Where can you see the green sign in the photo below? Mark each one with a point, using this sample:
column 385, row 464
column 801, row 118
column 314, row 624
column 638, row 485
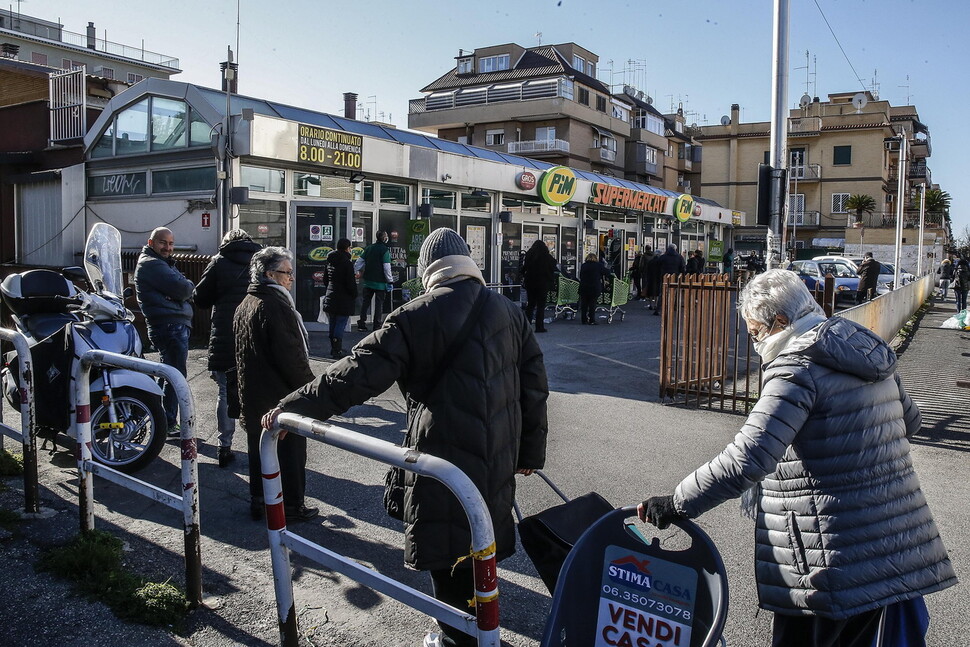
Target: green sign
column 716, row 251
column 418, row 230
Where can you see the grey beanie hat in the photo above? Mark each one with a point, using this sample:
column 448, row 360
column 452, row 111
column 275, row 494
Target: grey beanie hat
column 440, row 243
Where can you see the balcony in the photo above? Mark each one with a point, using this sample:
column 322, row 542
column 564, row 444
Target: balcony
column 539, row 146
column 641, row 167
column 804, row 126
column 805, row 173
column 887, row 220
column 603, row 155
column 803, row 219
column 487, row 95
column 97, row 44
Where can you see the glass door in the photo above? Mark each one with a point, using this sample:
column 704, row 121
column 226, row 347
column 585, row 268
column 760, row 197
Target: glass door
column 317, row 229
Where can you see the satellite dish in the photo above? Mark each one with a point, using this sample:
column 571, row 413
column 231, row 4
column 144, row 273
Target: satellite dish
column 804, row 101
column 649, row 100
column 630, row 90
column 693, row 124
column 859, row 101
column 725, row 121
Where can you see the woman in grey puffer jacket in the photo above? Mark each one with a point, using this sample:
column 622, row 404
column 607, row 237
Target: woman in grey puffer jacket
column 843, row 529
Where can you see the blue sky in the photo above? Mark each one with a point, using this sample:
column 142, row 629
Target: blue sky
column 706, row 54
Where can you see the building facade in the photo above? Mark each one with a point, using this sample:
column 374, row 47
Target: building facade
column 303, row 179
column 849, row 144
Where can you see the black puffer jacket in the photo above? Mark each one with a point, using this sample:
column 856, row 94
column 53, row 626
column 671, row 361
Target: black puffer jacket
column 341, row 285
column 270, row 352
column 222, row 288
column 487, row 415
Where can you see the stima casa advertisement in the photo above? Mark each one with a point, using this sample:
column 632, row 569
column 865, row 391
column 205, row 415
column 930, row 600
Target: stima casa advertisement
column 644, row 601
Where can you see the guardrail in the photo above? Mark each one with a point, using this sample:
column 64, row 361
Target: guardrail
column 28, row 429
column 188, row 501
column 281, row 540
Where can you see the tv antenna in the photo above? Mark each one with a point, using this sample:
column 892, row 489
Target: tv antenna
column 908, row 95
column 874, row 86
column 538, row 38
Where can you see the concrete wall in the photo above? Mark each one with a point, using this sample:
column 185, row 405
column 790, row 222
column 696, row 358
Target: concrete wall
column 886, row 315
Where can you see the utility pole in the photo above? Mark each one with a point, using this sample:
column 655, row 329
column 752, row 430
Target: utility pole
column 779, row 129
column 922, row 215
column 900, row 193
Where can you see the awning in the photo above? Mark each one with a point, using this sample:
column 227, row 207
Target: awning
column 603, row 133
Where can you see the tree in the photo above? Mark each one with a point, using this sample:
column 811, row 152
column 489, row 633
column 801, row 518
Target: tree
column 937, row 201
column 860, row 203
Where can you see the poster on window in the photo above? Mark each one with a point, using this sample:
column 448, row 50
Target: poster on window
column 552, row 242
column 528, row 238
column 475, row 237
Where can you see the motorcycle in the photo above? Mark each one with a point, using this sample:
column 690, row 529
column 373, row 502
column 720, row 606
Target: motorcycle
column 60, row 323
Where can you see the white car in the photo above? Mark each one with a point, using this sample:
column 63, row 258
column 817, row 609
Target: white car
column 887, row 271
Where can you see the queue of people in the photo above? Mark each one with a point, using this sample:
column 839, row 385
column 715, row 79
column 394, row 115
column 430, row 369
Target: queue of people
column 822, row 463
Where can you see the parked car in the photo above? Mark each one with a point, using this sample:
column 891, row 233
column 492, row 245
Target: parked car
column 887, row 271
column 812, row 273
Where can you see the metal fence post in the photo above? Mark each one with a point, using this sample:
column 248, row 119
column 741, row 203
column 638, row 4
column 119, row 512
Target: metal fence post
column 28, row 420
column 82, row 431
column 275, row 525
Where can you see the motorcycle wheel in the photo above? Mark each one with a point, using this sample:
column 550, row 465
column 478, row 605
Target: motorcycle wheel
column 140, row 439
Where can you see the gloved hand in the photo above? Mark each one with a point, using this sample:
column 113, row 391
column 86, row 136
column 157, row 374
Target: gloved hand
column 658, row 510
column 390, row 287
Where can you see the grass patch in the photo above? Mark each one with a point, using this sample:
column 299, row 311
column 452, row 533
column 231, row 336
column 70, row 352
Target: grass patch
column 92, row 562
column 9, row 519
column 11, row 464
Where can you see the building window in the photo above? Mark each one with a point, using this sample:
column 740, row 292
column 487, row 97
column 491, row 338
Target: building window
column 838, row 202
column 621, row 113
column 267, row 180
column 546, row 133
column 168, row 123
column 395, row 193
column 107, row 73
column 38, row 58
column 649, row 154
column 566, row 88
column 493, row 63
column 439, row 199
column 134, row 78
column 583, row 96
column 463, row 139
column 841, row 155
column 184, row 180
column 579, row 64
column 494, row 137
column 591, row 68
column 465, row 66
column 133, row 129
column 601, row 103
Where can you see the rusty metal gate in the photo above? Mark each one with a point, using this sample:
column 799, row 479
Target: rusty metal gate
column 706, row 357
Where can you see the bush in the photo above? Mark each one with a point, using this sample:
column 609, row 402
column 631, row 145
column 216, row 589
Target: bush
column 11, row 464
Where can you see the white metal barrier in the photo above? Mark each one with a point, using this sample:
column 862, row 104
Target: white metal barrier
column 28, row 429
column 888, row 313
column 188, row 501
column 483, row 625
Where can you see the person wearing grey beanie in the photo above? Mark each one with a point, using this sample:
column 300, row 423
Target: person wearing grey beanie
column 475, row 382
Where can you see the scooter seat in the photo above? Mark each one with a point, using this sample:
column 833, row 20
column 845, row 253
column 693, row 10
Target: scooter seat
column 43, row 325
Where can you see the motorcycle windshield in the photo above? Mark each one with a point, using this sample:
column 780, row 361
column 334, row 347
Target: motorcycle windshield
column 102, row 258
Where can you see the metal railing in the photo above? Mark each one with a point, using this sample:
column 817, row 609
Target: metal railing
column 483, row 625
column 28, row 428
column 187, row 502
column 805, row 172
column 539, row 146
column 804, row 218
column 118, row 49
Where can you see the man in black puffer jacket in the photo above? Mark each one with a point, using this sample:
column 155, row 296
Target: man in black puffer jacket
column 222, row 288
column 486, row 414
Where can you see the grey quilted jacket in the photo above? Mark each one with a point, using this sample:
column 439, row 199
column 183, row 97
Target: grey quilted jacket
column 842, row 525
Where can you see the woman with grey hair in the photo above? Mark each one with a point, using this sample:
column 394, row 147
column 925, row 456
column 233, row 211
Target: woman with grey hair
column 271, row 353
column 222, row 288
column 822, row 463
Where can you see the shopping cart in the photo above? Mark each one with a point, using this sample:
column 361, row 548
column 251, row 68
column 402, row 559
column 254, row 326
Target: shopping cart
column 616, row 295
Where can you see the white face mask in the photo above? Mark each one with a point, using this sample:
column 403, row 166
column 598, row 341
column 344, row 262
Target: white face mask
column 769, row 347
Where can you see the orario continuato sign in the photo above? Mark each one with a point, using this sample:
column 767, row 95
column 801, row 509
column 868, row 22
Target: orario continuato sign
column 328, row 147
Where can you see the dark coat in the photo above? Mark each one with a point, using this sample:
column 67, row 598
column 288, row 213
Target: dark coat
column 962, row 276
column 487, row 415
column 538, row 272
column 591, row 274
column 653, row 276
column 270, row 354
column 222, row 287
column 671, row 263
column 341, row 292
column 163, row 292
column 695, row 265
column 868, row 275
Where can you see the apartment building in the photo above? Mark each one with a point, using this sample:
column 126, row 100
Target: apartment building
column 849, row 144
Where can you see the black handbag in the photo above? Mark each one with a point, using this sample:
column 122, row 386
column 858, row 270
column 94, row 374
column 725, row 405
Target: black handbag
column 394, row 479
column 548, row 536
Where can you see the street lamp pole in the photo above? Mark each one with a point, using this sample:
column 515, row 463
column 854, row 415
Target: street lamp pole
column 779, row 127
column 900, row 192
column 922, row 215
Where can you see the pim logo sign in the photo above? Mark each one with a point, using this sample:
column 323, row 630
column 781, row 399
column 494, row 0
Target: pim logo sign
column 631, row 572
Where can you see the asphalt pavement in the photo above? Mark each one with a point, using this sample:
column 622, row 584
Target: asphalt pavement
column 608, row 434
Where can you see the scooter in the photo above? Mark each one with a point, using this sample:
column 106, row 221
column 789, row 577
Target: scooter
column 60, row 323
